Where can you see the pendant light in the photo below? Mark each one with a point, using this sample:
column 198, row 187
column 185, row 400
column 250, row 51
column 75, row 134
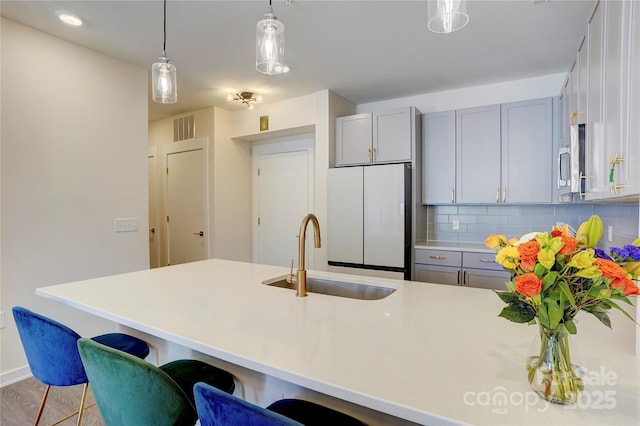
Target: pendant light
column 447, row 16
column 163, row 74
column 270, row 45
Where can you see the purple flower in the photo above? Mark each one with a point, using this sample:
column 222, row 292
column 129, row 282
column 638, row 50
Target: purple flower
column 601, row 254
column 634, row 252
column 621, row 253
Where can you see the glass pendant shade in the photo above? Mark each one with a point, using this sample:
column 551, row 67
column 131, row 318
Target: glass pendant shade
column 270, row 45
column 447, row 16
column 163, row 81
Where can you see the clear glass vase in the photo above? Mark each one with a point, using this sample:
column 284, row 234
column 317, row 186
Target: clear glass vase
column 551, row 373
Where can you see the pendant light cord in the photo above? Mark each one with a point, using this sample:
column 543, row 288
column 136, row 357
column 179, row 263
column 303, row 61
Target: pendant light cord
column 164, row 29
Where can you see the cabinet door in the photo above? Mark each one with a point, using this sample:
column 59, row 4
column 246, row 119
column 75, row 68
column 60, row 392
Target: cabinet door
column 353, row 139
column 384, row 215
column 583, row 82
column 478, row 155
column 437, row 274
column 345, row 214
column 633, row 140
column 596, row 156
column 392, row 139
column 439, row 157
column 527, row 151
column 485, row 278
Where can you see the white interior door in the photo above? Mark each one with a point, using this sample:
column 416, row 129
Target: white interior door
column 282, row 196
column 154, row 229
column 185, row 198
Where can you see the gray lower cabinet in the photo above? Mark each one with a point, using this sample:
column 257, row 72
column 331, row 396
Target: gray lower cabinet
column 468, row 269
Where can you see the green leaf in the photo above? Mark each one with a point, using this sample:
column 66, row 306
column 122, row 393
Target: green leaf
column 614, row 305
column 543, row 316
column 519, row 312
column 564, row 288
column 539, row 270
column 507, row 296
column 549, row 280
column 599, row 313
column 570, row 326
column 555, row 313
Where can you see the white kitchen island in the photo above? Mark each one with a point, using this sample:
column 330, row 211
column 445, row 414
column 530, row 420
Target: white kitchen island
column 428, row 353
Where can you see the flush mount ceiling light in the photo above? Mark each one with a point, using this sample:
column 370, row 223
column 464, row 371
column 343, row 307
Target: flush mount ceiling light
column 447, row 16
column 163, row 74
column 69, row 18
column 270, row 45
column 247, row 98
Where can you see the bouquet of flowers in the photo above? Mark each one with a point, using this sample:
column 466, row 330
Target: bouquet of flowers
column 555, row 275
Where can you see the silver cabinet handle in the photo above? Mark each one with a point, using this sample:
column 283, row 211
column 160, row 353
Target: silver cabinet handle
column 487, row 261
column 437, row 257
column 152, row 230
column 201, row 233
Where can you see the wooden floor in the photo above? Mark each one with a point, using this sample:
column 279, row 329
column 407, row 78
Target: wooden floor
column 19, row 404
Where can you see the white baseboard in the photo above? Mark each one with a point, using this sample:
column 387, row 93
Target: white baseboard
column 14, row 376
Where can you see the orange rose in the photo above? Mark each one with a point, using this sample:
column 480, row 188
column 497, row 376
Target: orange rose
column 610, row 269
column 629, row 287
column 569, row 246
column 527, row 263
column 528, row 284
column 529, row 249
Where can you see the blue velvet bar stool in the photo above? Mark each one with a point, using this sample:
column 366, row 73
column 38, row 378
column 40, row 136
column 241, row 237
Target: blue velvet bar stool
column 131, row 391
column 216, row 408
column 52, row 353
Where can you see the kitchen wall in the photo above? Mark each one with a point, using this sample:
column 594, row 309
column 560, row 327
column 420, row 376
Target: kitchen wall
column 74, row 148
column 229, row 182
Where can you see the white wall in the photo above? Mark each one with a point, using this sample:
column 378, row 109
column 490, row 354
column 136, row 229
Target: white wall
column 74, row 148
column 467, row 97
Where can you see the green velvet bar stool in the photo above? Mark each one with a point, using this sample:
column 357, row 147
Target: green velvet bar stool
column 131, row 391
column 52, row 354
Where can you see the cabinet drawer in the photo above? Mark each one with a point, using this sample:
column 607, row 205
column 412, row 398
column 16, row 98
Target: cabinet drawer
column 439, row 257
column 482, row 278
column 481, row 261
column 437, row 274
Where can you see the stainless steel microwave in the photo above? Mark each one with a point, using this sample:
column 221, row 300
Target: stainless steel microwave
column 571, row 163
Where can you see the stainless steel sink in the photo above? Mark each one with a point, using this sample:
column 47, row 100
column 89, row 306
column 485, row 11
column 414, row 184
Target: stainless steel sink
column 335, row 288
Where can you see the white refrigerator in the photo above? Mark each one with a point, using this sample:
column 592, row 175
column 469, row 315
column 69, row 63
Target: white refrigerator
column 369, row 217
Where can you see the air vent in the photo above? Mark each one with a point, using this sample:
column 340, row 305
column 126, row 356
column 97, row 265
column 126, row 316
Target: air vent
column 184, row 128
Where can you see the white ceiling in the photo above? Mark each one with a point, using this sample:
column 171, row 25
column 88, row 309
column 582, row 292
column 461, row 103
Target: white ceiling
column 362, row 50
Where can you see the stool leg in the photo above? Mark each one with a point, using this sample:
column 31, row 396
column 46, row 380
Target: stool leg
column 41, row 409
column 82, row 402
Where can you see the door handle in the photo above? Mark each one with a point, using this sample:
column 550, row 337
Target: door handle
column 201, row 233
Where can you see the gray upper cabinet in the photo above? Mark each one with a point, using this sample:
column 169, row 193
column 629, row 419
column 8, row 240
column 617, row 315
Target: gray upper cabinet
column 527, row 151
column 478, row 155
column 490, row 154
column 392, row 136
column 379, row 137
column 354, row 135
column 439, row 157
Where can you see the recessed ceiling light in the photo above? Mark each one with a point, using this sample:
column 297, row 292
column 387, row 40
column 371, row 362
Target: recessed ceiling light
column 69, row 18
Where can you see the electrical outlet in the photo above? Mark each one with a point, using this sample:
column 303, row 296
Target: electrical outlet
column 125, row 224
column 610, row 233
column 1, row 319
column 456, row 224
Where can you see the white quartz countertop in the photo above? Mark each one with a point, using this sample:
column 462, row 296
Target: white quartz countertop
column 453, row 246
column 432, row 354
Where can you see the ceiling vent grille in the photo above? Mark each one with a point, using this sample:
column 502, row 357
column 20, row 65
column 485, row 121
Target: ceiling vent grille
column 184, row 128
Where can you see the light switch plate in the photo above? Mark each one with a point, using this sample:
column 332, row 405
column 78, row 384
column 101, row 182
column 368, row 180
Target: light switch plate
column 125, row 224
column 2, row 320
